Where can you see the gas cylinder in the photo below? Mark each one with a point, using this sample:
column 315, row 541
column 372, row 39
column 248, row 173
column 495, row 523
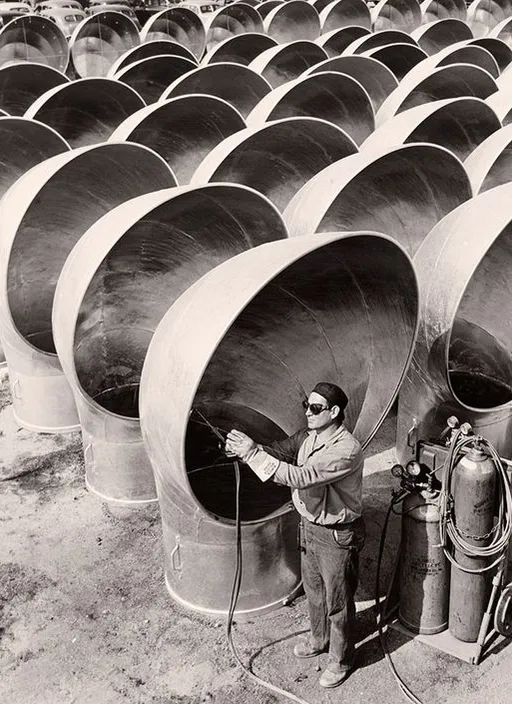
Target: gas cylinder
column 473, row 490
column 424, row 572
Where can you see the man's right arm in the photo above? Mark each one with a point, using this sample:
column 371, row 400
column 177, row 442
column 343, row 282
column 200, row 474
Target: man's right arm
column 287, row 450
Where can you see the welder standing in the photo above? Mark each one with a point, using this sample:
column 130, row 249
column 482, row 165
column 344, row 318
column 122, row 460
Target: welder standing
column 323, row 464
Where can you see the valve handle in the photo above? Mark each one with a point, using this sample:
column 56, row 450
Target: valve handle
column 503, row 612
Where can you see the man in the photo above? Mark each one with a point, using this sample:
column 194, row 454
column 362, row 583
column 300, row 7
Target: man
column 323, row 465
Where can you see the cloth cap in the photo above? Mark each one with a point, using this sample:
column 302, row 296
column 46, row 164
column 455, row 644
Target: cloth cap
column 334, row 395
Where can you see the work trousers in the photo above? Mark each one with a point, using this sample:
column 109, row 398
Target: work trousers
column 330, row 573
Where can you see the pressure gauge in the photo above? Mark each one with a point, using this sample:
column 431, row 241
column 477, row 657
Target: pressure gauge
column 413, row 468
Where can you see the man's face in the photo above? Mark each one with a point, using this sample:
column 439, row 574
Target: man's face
column 324, row 419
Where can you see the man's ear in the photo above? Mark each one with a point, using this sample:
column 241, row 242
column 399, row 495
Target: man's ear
column 335, row 411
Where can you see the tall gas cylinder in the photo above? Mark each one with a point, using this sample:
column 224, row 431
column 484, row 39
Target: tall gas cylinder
column 473, row 491
column 424, row 573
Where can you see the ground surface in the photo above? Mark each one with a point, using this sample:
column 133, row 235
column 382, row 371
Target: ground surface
column 85, row 617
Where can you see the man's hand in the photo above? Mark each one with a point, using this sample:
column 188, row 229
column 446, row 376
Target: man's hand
column 239, row 444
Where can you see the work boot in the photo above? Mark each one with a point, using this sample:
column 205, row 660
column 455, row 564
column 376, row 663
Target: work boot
column 308, row 649
column 333, row 675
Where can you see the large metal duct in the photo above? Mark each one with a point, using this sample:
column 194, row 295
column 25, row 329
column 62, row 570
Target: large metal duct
column 179, row 24
column 237, row 84
column 99, row 40
column 277, row 158
column 501, row 101
column 118, row 282
column 230, row 20
column 405, row 190
column 396, row 14
column 399, row 58
column 182, row 130
column 336, row 41
column 462, row 362
column 34, row 39
column 503, row 30
column 331, row 96
column 344, row 13
column 458, row 124
column 43, row 215
column 433, row 10
column 453, row 81
column 463, row 53
column 483, row 15
column 375, row 39
column 437, row 35
column 240, row 49
column 153, row 48
column 376, row 79
column 295, row 316
column 263, row 8
column 502, row 52
column 151, row 76
column 293, row 20
column 490, row 165
column 21, row 84
column 287, row 61
column 86, row 111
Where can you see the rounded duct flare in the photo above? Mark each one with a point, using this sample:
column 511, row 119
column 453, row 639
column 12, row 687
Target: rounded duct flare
column 277, row 158
column 399, row 58
column 501, row 101
column 376, row 79
column 295, row 316
column 178, row 24
column 22, row 84
column 118, row 282
column 437, row 35
column 404, row 15
column 489, row 165
column 182, row 130
column 287, row 61
column 331, row 96
column 229, row 21
column 336, row 41
column 502, row 52
column 151, row 76
column 344, row 13
column 240, row 49
column 33, row 39
column 43, row 215
column 483, row 15
column 381, row 38
column 462, row 362
column 406, row 190
column 86, row 111
column 503, row 30
column 467, row 54
column 291, row 21
column 452, row 81
column 99, row 40
column 145, row 51
column 236, row 84
column 433, row 10
column 457, row 124
column 263, row 8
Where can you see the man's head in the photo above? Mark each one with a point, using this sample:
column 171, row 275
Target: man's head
column 325, row 406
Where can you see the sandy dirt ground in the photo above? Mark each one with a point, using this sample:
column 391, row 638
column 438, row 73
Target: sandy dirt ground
column 85, row 617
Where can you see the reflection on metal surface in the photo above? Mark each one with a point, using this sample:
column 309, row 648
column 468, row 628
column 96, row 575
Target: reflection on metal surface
column 330, row 96
column 99, row 40
column 344, row 13
column 182, row 130
column 21, row 84
column 458, row 124
column 151, row 76
column 229, row 21
column 501, row 100
column 234, row 83
column 118, row 282
column 491, row 162
column 284, row 155
column 434, row 36
column 483, row 15
column 264, row 8
column 153, row 48
column 336, row 41
column 462, row 363
column 443, row 9
column 503, row 30
column 293, row 20
column 43, row 215
column 179, row 24
column 287, row 61
column 34, row 39
column 381, row 38
column 240, row 49
column 399, row 58
column 502, row 52
column 301, row 308
column 463, row 53
column 405, row 191
column 397, row 14
column 86, row 111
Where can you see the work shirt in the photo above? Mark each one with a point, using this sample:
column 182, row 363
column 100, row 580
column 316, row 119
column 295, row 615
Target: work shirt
column 326, row 477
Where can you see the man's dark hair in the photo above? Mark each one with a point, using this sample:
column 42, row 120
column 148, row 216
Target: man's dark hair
column 334, row 395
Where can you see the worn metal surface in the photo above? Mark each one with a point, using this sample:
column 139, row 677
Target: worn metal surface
column 21, row 84
column 182, row 130
column 34, row 39
column 284, row 155
column 462, row 362
column 399, row 58
column 178, row 24
column 405, row 190
column 293, row 20
column 86, row 111
column 150, row 48
column 263, row 8
column 424, row 85
column 287, row 61
column 240, row 49
column 458, row 124
column 43, row 215
column 463, row 53
column 229, row 21
column 99, row 40
column 483, row 15
column 380, row 38
column 118, row 282
column 437, row 35
column 491, row 163
column 344, row 13
column 330, row 96
column 502, row 52
column 443, row 9
column 503, row 30
column 236, row 84
column 151, row 76
column 337, row 40
column 298, row 312
column 398, row 14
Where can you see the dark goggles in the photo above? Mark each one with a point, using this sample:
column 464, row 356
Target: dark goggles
column 315, row 408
